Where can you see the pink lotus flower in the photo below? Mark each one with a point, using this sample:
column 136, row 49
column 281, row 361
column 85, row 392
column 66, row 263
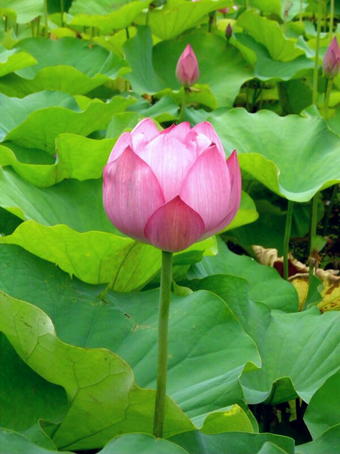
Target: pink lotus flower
column 171, row 188
column 331, row 61
column 187, row 71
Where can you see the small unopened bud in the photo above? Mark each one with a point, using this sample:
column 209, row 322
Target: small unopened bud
column 224, row 10
column 228, row 31
column 187, row 71
column 331, row 61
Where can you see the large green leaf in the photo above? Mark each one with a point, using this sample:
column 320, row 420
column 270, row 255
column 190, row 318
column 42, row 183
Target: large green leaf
column 138, row 51
column 78, row 157
column 15, row 443
column 323, row 411
column 25, row 10
column 294, row 156
column 89, row 377
column 67, row 64
column 269, row 33
column 327, row 443
column 143, row 444
column 36, row 120
column 13, row 60
column 176, row 16
column 77, row 204
column 233, row 443
column 260, row 279
column 265, row 66
column 106, row 15
column 24, row 396
column 300, row 348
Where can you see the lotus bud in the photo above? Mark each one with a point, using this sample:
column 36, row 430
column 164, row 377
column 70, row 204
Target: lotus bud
column 171, row 188
column 187, row 71
column 228, row 31
column 331, row 61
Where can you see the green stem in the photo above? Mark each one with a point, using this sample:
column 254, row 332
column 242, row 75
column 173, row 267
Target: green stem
column 183, row 104
column 288, row 228
column 331, row 18
column 329, row 208
column 311, row 260
column 127, row 32
column 211, row 20
column 62, row 12
column 316, row 62
column 327, row 96
column 162, row 364
column 301, row 11
column 46, row 17
column 314, row 222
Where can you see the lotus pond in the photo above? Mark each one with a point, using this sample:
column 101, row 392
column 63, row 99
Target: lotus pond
column 253, row 360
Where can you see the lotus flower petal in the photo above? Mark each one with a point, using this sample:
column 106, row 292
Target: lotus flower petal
column 145, row 131
column 131, row 193
column 207, row 130
column 235, row 194
column 187, row 71
column 179, row 131
column 235, row 183
column 123, row 142
column 170, row 160
column 206, row 188
column 331, row 61
column 174, row 226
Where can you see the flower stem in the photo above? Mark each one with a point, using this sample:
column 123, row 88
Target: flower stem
column 62, row 13
column 314, row 222
column 46, row 17
column 312, row 262
column 183, row 104
column 316, row 63
column 288, row 228
column 162, row 362
column 331, row 18
column 211, row 21
column 327, row 96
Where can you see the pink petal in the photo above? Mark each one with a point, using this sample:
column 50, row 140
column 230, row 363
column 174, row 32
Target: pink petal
column 187, row 71
column 131, row 193
column 235, row 193
column 199, row 141
column 121, row 145
column 179, row 131
column 235, row 181
column 174, row 226
column 206, row 188
column 170, row 160
column 143, row 132
column 207, row 130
